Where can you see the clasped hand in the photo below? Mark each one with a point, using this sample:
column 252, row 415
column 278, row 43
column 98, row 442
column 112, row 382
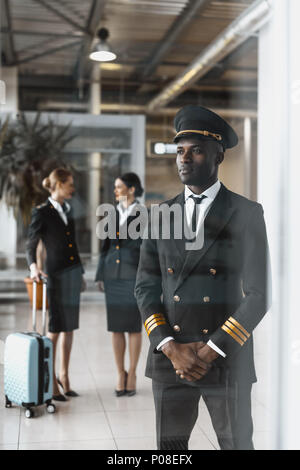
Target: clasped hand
column 191, row 361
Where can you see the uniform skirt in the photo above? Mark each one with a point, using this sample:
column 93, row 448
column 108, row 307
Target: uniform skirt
column 64, row 299
column 122, row 311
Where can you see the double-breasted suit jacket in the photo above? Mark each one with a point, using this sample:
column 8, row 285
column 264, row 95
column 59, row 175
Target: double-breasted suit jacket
column 63, row 265
column 216, row 293
column 117, row 267
column 119, row 257
column 58, row 238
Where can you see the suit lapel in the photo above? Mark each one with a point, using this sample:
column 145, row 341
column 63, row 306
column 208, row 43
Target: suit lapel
column 57, row 216
column 216, row 219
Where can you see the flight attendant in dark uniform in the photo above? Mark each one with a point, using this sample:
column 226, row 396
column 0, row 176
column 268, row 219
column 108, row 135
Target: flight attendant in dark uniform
column 53, row 223
column 116, row 275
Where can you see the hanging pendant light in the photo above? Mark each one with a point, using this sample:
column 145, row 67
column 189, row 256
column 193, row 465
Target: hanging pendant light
column 102, row 51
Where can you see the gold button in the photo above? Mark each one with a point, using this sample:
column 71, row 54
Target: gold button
column 170, row 271
column 68, row 233
column 70, row 245
column 72, row 258
column 206, row 299
column 118, row 261
column 176, row 328
column 118, row 233
column 117, row 247
column 176, row 298
column 205, row 331
column 213, row 271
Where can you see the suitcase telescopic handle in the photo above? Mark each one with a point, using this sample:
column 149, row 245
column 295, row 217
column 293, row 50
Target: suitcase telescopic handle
column 44, row 308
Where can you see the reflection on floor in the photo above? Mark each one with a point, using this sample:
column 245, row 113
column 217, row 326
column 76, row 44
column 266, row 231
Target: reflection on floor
column 97, row 419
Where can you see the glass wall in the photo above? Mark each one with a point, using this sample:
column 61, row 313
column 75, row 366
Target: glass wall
column 103, row 148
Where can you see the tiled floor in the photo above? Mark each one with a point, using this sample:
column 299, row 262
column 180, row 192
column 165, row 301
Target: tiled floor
column 97, row 419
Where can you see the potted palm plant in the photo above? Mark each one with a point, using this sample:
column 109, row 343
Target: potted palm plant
column 29, row 151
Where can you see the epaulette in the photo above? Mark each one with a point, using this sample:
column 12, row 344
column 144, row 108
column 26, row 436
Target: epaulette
column 41, row 205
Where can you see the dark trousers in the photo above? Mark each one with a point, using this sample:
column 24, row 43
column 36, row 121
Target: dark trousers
column 229, row 407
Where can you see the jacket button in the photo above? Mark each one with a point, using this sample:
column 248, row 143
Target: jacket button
column 213, row 271
column 176, row 298
column 205, row 331
column 117, row 247
column 118, row 261
column 176, row 328
column 170, row 271
column 70, row 245
column 68, row 233
column 72, row 258
column 206, row 299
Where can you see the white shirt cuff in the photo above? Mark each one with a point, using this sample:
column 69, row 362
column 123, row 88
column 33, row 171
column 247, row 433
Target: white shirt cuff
column 215, row 348
column 210, row 344
column 164, row 341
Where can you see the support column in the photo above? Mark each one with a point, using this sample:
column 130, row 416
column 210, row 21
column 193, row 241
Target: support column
column 95, row 163
column 8, row 224
column 278, row 190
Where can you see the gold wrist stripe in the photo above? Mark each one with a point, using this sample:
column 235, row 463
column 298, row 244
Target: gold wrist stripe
column 153, row 321
column 236, row 331
column 234, row 336
column 236, row 323
column 206, row 133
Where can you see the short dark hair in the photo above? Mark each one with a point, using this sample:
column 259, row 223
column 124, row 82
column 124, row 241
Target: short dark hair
column 132, row 180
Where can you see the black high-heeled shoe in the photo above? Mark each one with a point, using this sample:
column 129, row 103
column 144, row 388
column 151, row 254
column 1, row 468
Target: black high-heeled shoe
column 70, row 393
column 131, row 393
column 121, row 393
column 59, row 398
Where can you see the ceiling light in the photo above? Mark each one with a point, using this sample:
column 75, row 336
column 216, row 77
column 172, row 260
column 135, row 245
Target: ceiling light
column 102, row 51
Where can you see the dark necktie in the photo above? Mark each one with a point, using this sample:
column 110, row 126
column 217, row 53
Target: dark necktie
column 64, row 207
column 197, row 200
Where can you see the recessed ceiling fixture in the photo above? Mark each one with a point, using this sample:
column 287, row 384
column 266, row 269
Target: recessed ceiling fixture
column 102, row 51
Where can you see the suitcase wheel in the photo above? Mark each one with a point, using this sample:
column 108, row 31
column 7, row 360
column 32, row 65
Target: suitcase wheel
column 51, row 408
column 29, row 413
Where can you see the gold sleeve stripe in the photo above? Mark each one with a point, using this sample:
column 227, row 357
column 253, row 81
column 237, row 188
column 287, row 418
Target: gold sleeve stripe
column 153, row 322
column 234, row 336
column 154, row 326
column 236, row 330
column 154, row 316
column 236, row 323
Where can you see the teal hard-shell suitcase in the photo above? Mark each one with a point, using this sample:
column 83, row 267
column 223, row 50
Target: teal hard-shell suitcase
column 28, row 366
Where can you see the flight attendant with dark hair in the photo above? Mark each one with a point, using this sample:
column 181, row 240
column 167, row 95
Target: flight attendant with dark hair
column 53, row 223
column 116, row 275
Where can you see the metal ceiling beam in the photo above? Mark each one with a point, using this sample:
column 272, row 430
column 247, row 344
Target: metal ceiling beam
column 193, row 7
column 47, row 52
column 247, row 24
column 9, row 48
column 18, row 32
column 83, row 63
column 62, row 16
column 139, row 109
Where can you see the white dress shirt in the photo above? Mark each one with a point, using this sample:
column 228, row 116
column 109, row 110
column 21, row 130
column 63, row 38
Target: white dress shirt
column 124, row 212
column 60, row 210
column 202, row 209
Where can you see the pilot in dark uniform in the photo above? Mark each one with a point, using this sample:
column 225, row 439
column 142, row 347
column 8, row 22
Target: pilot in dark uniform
column 201, row 303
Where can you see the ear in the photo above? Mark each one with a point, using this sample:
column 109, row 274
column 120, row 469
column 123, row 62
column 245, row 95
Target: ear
column 220, row 158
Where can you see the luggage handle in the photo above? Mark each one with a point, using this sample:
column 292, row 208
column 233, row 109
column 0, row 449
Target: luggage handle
column 44, row 309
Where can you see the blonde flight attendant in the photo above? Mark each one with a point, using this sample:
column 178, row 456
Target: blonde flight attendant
column 53, row 223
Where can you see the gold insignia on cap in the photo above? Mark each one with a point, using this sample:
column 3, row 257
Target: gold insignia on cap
column 205, row 133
